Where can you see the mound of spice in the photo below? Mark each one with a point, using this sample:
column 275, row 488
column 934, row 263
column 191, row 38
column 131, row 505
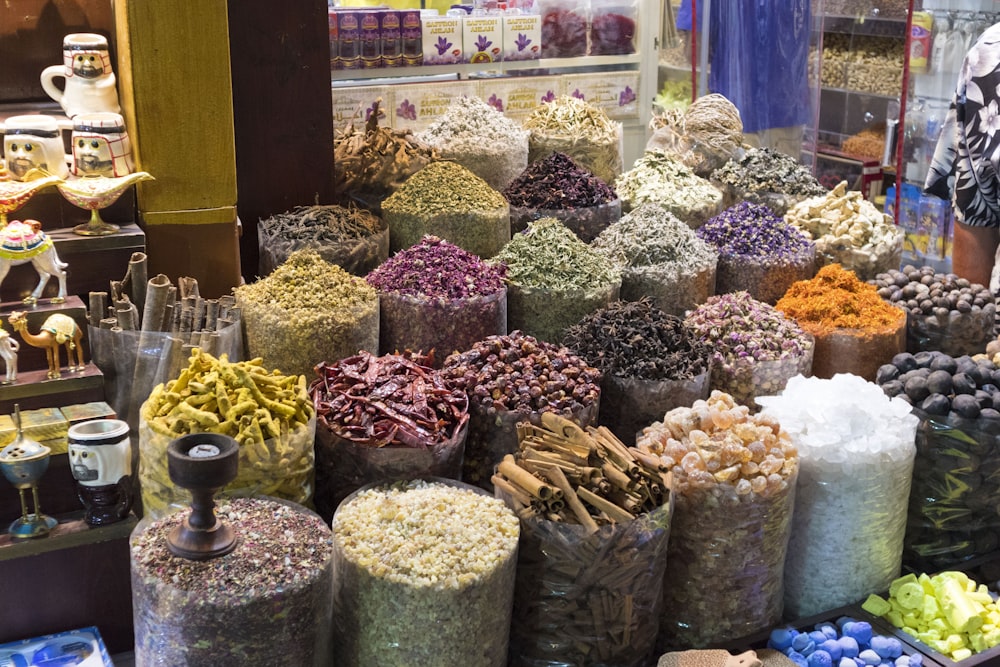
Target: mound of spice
column 661, row 178
column 661, row 258
column 556, row 187
column 734, row 480
column 306, row 312
column 421, row 554
column 447, row 200
column 516, row 378
column 395, row 403
column 945, row 312
column 434, row 296
column 849, row 230
column 769, row 177
column 759, row 252
column 270, row 598
column 580, row 130
column 756, row 348
column 352, row 238
column 554, row 279
column 481, row 139
column 600, row 535
column 649, row 360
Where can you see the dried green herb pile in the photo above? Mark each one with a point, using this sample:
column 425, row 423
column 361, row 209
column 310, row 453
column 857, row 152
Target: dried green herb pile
column 661, row 178
column 768, row 170
column 481, row 139
column 580, row 130
column 306, row 312
column 549, row 256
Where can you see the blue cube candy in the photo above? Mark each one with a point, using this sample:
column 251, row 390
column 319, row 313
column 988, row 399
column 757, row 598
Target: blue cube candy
column 902, row 661
column 797, row 658
column 916, row 660
column 832, row 646
column 803, row 644
column 849, row 646
column 828, row 629
column 870, row 657
column 781, row 638
column 880, row 644
column 895, row 648
column 842, row 620
column 861, row 631
column 847, row 662
column 820, row 658
column 817, row 637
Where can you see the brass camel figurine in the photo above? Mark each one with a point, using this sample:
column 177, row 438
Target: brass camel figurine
column 58, row 329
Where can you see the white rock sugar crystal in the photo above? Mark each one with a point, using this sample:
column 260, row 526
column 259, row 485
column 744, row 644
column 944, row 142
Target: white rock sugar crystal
column 856, row 451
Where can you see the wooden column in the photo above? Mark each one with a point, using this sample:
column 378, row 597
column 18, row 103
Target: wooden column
column 175, row 87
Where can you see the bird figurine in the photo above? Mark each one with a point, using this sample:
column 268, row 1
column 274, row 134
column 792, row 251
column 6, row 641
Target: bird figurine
column 93, row 193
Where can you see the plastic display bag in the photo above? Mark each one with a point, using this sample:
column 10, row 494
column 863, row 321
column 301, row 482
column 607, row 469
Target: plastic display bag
column 746, row 378
column 547, row 313
column 613, row 27
column 856, row 351
column 281, row 467
column 423, row 324
column 564, row 28
column 765, row 278
column 955, row 333
column 589, row 600
column 586, row 222
column 672, row 291
column 630, row 404
column 955, row 492
column 482, row 232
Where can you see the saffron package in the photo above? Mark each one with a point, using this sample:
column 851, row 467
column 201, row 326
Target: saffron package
column 613, row 27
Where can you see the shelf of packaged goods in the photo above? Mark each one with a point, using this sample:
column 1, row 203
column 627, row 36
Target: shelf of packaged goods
column 871, row 26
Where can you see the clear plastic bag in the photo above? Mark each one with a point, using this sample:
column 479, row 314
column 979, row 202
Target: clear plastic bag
column 746, row 378
column 856, row 351
column 280, row 467
column 423, row 324
column 955, row 334
column 628, row 405
column 586, row 222
column 589, row 600
column 564, row 28
column 613, row 27
column 547, row 313
column 765, row 278
column 482, row 233
column 672, row 291
column 344, row 466
column 357, row 256
column 955, row 492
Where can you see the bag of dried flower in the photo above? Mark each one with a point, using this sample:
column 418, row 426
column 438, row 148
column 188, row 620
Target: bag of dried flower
column 308, row 311
column 662, row 179
column 759, row 252
column 447, row 200
column 661, row 258
column 435, row 298
column 767, row 177
column 556, row 187
column 571, row 126
column 384, row 419
column 554, row 279
column 352, row 238
column 756, row 348
column 649, row 361
column 269, row 414
column 734, row 484
column 512, row 379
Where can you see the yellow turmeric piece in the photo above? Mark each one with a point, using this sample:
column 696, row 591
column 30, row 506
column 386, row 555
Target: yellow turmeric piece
column 837, row 299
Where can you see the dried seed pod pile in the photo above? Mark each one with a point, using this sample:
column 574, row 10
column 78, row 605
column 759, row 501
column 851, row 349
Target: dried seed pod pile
column 661, row 257
column 376, row 160
column 661, row 178
column 734, row 488
column 756, row 348
column 595, row 522
column 769, row 177
column 849, row 230
column 269, row 414
column 306, row 312
column 350, row 237
column 481, row 139
column 517, row 378
column 945, row 312
column 425, row 576
column 581, row 131
column 394, row 402
column 447, row 200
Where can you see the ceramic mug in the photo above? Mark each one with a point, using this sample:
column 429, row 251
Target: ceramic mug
column 100, row 145
column 100, row 456
column 90, row 83
column 33, row 142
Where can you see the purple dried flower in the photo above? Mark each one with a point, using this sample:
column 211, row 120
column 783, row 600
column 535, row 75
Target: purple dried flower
column 558, row 183
column 627, row 96
column 435, row 268
column 406, row 110
column 442, row 45
column 753, row 230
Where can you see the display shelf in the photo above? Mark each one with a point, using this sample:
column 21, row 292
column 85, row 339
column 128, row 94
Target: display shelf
column 405, row 74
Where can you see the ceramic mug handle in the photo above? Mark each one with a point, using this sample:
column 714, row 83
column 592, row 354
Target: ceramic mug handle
column 48, row 84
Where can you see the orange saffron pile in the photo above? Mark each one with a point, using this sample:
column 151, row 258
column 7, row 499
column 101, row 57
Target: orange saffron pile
column 836, row 298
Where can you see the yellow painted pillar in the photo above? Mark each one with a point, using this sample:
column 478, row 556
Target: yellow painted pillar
column 176, row 93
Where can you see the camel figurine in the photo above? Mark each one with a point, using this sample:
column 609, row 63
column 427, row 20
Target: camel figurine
column 23, row 242
column 8, row 352
column 58, row 329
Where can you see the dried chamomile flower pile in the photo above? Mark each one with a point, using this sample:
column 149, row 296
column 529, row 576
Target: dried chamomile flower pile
column 481, row 139
column 734, row 484
column 661, row 178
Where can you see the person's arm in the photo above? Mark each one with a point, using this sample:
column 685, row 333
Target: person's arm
column 972, row 252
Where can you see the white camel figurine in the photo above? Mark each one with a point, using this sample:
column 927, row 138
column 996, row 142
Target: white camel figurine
column 8, row 352
column 23, row 242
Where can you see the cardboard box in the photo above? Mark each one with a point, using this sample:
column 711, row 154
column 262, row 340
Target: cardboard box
column 441, row 40
column 411, row 32
column 518, row 96
column 391, row 34
column 81, row 412
column 349, row 38
column 482, row 39
column 614, row 93
column 370, row 38
column 355, row 103
column 522, row 37
column 83, row 648
column 416, row 106
column 45, row 425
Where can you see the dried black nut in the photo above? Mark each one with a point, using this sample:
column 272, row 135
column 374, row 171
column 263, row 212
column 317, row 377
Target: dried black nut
column 990, row 388
column 939, row 382
column 996, row 401
column 893, row 388
column 965, row 405
column 924, row 358
column 886, row 373
column 904, row 361
column 916, row 388
column 963, row 383
column 984, row 399
column 904, row 397
column 943, row 362
column 936, row 404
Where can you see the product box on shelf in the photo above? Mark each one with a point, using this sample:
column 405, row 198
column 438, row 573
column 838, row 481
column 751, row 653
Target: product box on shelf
column 416, row 106
column 615, row 94
column 334, row 40
column 442, row 39
column 83, row 648
column 355, row 104
column 47, row 426
column 522, row 37
column 516, row 97
column 482, row 39
column 370, row 37
column 926, row 221
column 391, row 36
column 348, row 38
column 411, row 33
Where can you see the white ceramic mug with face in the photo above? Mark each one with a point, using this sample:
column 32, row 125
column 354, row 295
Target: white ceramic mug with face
column 100, row 145
column 33, row 141
column 89, row 82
